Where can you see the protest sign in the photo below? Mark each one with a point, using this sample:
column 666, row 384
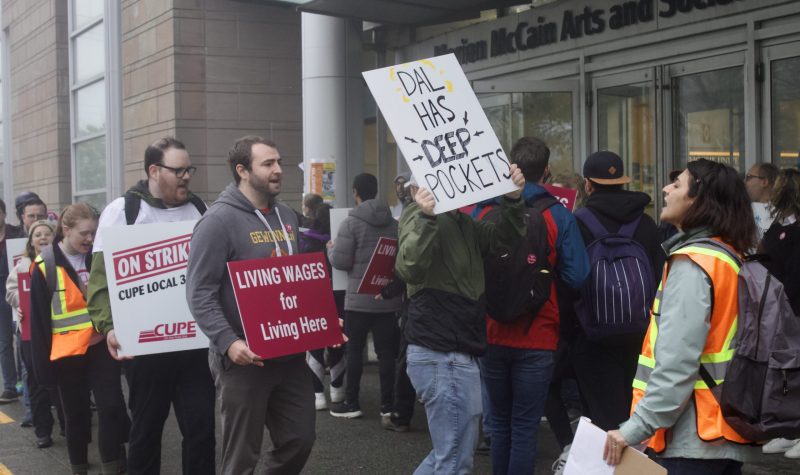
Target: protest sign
column 146, row 272
column 14, row 250
column 338, row 215
column 286, row 304
column 442, row 131
column 380, row 270
column 567, row 196
column 24, row 289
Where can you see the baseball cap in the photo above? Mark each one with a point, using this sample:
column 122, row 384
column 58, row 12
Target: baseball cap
column 605, row 168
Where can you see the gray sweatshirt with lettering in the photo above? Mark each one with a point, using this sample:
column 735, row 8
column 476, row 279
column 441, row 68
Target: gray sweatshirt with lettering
column 231, row 231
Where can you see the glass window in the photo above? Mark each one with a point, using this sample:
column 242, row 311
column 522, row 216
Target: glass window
column 90, row 164
column 89, row 54
column 90, row 109
column 709, row 117
column 785, row 112
column 625, row 127
column 85, row 12
column 96, row 200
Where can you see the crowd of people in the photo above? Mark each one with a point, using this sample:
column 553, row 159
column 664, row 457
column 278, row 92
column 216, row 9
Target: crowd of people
column 500, row 315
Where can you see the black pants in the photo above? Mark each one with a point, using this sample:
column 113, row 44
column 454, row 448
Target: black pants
column 180, row 379
column 555, row 408
column 316, row 358
column 385, row 334
column 40, row 397
column 605, row 373
column 405, row 396
column 97, row 372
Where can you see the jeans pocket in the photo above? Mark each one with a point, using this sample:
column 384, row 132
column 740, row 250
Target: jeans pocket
column 423, row 375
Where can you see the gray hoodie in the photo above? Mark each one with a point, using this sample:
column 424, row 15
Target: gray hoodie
column 353, row 247
column 230, row 231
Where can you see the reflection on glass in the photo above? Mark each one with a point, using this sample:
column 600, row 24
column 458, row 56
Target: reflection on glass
column 90, row 164
column 785, row 112
column 625, row 126
column 544, row 115
column 709, row 117
column 90, row 105
column 89, row 54
column 96, row 200
column 86, row 11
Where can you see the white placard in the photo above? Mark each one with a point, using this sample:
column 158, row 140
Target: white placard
column 146, row 272
column 339, row 277
column 14, row 250
column 442, row 131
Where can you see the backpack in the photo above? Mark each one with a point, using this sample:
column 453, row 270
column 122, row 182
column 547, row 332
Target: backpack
column 133, row 203
column 760, row 397
column 518, row 283
column 618, row 294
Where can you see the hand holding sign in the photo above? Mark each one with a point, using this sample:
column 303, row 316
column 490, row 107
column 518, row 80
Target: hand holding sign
column 425, row 200
column 518, row 179
column 240, row 354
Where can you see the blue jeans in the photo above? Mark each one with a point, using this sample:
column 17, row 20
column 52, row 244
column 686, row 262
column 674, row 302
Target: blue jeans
column 517, row 381
column 450, row 387
column 8, row 364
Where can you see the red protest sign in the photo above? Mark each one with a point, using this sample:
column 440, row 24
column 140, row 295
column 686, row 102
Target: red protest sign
column 380, row 270
column 286, row 304
column 567, row 196
column 24, row 288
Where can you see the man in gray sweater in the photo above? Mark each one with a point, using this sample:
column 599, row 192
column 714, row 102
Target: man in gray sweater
column 246, row 222
column 351, row 251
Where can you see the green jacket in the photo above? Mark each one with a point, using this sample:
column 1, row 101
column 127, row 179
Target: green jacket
column 446, row 251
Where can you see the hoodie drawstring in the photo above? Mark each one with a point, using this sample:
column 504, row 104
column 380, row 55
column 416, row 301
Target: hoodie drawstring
column 278, row 249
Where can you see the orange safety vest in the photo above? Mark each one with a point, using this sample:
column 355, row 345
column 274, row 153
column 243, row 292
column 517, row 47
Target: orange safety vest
column 72, row 327
column 718, row 350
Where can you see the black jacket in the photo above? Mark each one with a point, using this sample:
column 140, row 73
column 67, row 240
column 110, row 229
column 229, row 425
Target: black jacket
column 781, row 244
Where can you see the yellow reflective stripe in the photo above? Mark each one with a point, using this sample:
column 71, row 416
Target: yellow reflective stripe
column 639, row 384
column 62, row 316
column 647, row 361
column 728, row 352
column 724, row 257
column 80, row 326
column 700, row 384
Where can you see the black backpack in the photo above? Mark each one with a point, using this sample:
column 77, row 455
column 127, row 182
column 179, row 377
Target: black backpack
column 133, row 202
column 518, row 283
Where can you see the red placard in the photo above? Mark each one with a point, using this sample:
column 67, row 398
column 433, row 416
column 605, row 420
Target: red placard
column 380, row 270
column 286, row 304
column 24, row 289
column 567, row 196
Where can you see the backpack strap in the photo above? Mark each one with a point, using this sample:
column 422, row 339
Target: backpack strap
column 628, row 229
column 588, row 218
column 49, row 259
column 544, row 203
column 484, row 211
column 721, row 246
column 133, row 203
column 199, row 204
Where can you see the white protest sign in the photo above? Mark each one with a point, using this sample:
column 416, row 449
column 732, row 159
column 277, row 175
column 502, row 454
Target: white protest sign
column 442, row 131
column 339, row 277
column 146, row 272
column 14, row 250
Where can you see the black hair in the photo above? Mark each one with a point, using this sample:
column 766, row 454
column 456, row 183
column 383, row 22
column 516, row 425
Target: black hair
column 154, row 153
column 786, row 195
column 366, row 186
column 531, row 156
column 768, row 171
column 242, row 153
column 33, row 201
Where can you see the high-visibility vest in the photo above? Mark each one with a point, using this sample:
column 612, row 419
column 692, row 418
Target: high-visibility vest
column 718, row 350
column 71, row 325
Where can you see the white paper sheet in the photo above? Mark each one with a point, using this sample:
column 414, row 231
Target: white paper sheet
column 339, row 276
column 586, row 453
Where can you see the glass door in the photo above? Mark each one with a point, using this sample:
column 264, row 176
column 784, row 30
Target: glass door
column 624, row 123
column 781, row 117
column 547, row 110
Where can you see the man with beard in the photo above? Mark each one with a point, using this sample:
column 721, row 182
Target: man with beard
column 181, row 378
column 247, row 222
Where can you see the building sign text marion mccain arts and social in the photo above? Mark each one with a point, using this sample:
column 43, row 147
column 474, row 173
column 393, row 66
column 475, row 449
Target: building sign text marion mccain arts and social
column 589, row 21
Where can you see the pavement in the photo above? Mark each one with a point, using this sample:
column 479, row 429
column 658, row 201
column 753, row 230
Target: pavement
column 358, row 446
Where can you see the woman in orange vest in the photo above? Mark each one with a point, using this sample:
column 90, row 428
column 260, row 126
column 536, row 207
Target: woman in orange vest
column 67, row 352
column 692, row 329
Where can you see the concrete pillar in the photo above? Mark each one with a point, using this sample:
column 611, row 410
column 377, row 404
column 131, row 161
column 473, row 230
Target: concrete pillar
column 333, row 125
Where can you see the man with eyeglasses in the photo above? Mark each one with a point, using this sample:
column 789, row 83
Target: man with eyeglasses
column 759, row 182
column 182, row 378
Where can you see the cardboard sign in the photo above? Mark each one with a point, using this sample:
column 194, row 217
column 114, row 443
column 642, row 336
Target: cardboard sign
column 24, row 289
column 15, row 248
column 146, row 271
column 339, row 277
column 567, row 196
column 442, row 131
column 286, row 304
column 380, row 270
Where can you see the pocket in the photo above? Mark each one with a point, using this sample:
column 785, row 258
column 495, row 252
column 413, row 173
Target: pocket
column 423, row 372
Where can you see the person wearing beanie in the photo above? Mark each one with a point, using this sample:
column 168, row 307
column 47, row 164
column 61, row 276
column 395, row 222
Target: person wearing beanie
column 8, row 364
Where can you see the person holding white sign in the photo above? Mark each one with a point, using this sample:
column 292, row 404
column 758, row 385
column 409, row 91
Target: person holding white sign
column 440, row 257
column 247, row 222
column 180, row 379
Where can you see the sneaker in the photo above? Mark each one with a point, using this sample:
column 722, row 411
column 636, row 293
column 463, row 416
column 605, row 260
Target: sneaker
column 778, row 446
column 347, row 411
column 27, row 422
column 44, row 442
column 8, row 396
column 794, row 452
column 320, row 402
column 558, row 465
column 337, row 394
column 388, row 424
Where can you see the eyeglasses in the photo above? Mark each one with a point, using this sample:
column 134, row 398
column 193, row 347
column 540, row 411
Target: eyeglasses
column 187, row 172
column 748, row 177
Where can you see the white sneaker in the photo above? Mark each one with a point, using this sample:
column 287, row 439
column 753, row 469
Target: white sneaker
column 778, row 446
column 794, row 452
column 320, row 402
column 337, row 394
column 558, row 465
